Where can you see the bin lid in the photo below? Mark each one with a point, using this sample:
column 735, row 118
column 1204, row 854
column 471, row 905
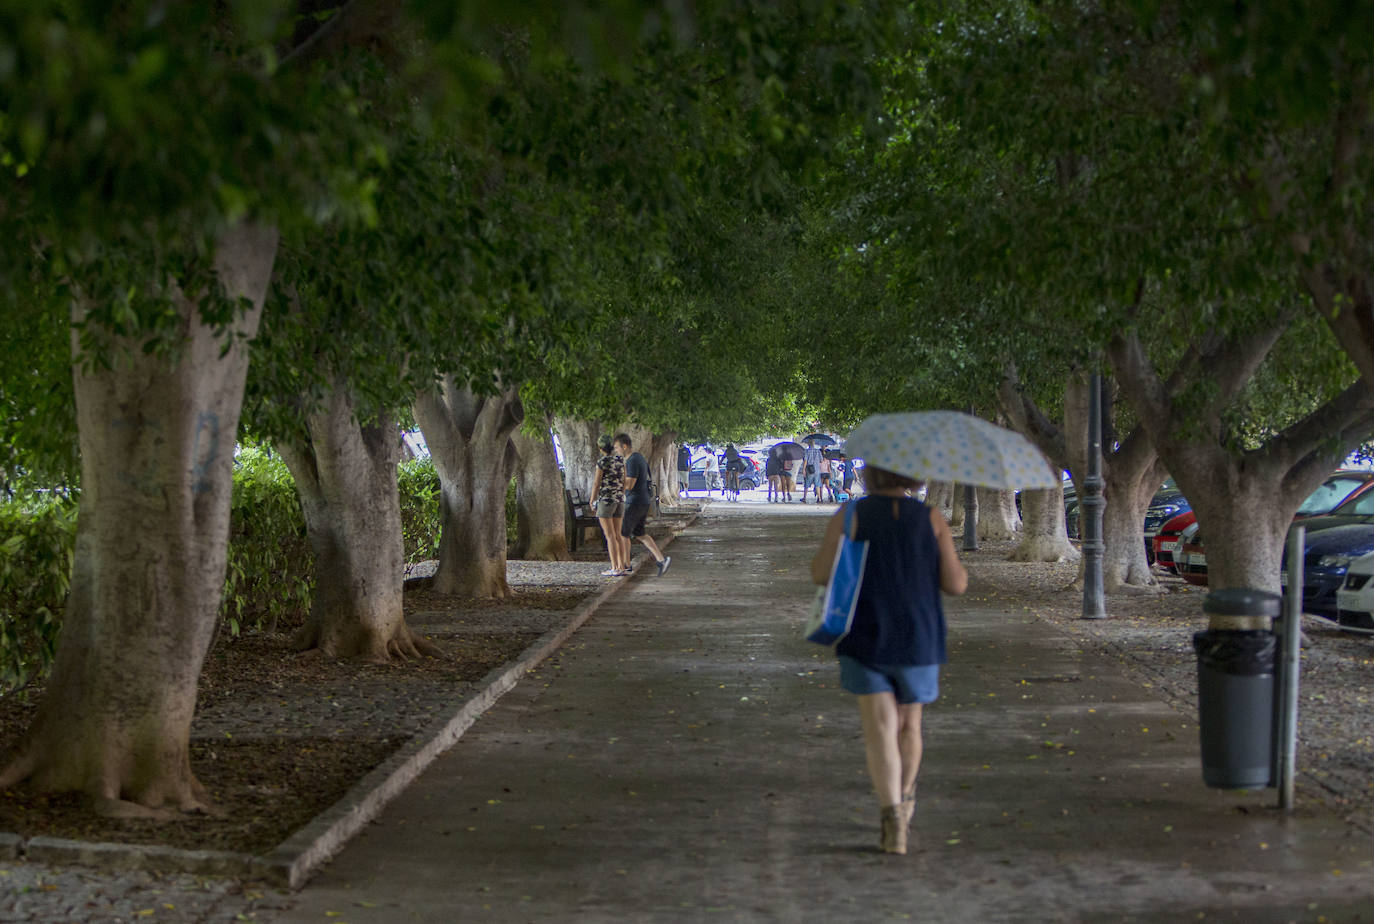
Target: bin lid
column 1242, row 601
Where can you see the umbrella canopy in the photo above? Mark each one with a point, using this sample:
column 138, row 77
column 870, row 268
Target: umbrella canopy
column 820, row 439
column 787, row 451
column 834, row 453
column 950, row 446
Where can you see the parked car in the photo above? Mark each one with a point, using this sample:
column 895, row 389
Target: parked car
column 1167, row 503
column 1355, row 597
column 1190, row 560
column 1327, row 556
column 1166, row 541
column 748, row 479
column 1343, row 498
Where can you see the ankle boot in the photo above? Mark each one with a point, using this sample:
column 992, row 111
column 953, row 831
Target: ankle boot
column 894, row 830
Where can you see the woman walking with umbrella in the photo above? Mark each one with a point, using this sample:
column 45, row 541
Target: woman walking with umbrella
column 892, row 654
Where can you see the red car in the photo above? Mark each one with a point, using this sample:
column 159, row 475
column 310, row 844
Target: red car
column 1337, row 489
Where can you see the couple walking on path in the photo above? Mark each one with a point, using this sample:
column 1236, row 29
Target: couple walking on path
column 624, row 496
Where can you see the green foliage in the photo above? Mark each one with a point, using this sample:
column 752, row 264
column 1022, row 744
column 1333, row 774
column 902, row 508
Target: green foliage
column 270, row 560
column 37, row 542
column 420, row 522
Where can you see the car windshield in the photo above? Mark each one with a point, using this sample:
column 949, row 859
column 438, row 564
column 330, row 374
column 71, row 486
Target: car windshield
column 1360, row 506
column 1328, row 494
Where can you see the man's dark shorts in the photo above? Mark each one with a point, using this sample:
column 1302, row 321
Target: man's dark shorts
column 633, row 524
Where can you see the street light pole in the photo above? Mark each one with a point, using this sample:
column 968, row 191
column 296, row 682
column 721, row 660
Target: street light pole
column 1094, row 606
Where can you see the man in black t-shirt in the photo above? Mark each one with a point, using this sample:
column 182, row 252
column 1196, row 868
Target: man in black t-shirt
column 639, row 497
column 684, row 468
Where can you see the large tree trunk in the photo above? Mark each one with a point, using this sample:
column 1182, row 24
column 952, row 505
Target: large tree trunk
column 1044, row 537
column 956, row 515
column 156, row 430
column 541, row 516
column 345, row 474
column 469, row 438
column 577, row 439
column 940, row 495
column 1244, row 501
column 1131, row 474
column 997, row 516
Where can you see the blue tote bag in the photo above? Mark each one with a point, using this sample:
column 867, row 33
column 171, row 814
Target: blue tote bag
column 833, row 611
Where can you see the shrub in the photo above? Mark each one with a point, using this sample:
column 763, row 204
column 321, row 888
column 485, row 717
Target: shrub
column 420, row 520
column 268, row 580
column 268, row 583
column 37, row 544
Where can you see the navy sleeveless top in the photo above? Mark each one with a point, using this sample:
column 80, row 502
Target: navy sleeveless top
column 899, row 619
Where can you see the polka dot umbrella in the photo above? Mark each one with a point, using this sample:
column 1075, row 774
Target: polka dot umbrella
column 951, row 446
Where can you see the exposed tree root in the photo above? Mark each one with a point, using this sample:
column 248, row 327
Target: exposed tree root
column 404, row 645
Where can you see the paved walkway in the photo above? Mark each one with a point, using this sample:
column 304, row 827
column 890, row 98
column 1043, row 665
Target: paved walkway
column 688, row 758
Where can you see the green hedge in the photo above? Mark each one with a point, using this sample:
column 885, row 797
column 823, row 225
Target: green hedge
column 37, row 539
column 267, row 585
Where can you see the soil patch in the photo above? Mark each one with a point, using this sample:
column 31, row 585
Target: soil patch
column 280, row 736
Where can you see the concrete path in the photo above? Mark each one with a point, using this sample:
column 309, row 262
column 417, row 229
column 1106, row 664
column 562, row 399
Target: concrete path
column 688, row 758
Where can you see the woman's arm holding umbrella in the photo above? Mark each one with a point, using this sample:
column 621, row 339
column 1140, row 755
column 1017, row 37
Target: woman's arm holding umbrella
column 953, row 577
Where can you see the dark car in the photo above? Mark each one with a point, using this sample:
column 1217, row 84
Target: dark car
column 748, row 479
column 1327, row 554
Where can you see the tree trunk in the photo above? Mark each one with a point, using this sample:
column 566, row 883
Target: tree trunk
column 345, row 474
column 1125, row 568
column 1044, row 537
column 997, row 516
column 940, row 496
column 541, row 518
column 156, row 432
column 469, row 439
column 956, row 514
column 577, row 439
column 663, row 465
column 1131, row 474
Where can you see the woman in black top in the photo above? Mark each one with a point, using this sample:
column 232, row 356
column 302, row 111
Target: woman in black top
column 892, row 655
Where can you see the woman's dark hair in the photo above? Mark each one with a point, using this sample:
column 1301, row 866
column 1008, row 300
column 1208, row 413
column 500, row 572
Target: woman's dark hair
column 605, row 442
column 880, row 479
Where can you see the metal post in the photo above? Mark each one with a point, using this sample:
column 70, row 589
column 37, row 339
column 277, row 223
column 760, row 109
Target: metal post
column 1290, row 650
column 970, row 518
column 1094, row 606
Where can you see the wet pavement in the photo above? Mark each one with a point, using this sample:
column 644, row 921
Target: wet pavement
column 687, row 757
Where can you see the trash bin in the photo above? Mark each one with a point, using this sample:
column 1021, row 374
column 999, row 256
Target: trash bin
column 1236, row 690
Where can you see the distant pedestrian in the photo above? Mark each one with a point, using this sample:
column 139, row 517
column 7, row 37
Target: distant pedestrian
column 811, row 463
column 712, row 473
column 733, row 466
column 772, row 468
column 608, row 487
column 847, row 467
column 892, row 655
column 639, row 498
column 684, row 468
column 785, row 479
column 827, row 486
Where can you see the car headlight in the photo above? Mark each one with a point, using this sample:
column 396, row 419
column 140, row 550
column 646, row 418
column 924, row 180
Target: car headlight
column 1335, row 561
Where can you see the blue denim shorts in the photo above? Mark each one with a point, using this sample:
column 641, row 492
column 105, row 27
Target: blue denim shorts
column 909, row 684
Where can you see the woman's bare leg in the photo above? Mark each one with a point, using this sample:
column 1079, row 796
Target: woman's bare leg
column 611, row 532
column 621, row 557
column 881, row 722
column 910, row 745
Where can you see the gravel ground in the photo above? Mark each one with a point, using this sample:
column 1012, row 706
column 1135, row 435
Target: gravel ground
column 1149, row 635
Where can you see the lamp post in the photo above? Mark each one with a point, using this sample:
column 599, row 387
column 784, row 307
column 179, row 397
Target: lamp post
column 1093, row 604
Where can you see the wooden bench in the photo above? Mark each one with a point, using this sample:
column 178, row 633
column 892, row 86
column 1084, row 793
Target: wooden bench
column 581, row 514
